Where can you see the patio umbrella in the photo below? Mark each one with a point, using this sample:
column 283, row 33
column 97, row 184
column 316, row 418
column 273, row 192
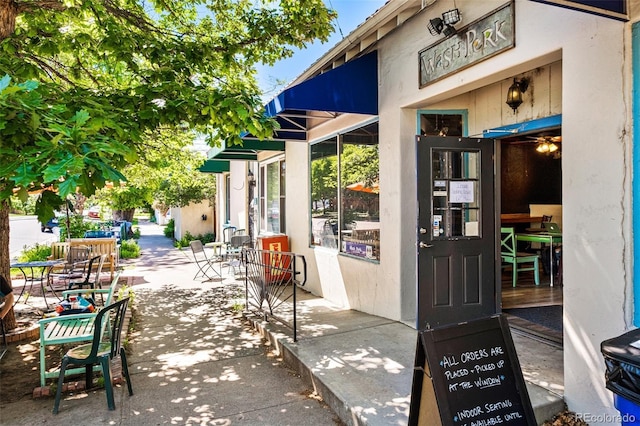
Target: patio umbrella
column 360, row 186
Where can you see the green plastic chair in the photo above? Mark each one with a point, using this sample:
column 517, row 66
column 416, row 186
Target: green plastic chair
column 510, row 256
column 106, row 345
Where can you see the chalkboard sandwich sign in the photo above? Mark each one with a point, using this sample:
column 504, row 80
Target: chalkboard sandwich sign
column 468, row 374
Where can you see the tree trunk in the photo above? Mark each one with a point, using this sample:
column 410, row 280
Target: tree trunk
column 8, row 13
column 126, row 215
column 5, row 258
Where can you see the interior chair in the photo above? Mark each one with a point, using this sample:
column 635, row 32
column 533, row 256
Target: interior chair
column 517, row 261
column 106, row 345
column 205, row 263
column 233, row 253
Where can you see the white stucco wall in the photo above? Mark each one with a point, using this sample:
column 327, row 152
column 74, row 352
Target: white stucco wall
column 239, row 193
column 596, row 160
column 189, row 219
column 580, row 68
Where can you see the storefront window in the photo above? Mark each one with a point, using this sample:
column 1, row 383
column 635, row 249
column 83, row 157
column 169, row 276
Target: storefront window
column 347, row 219
column 324, row 193
column 272, row 197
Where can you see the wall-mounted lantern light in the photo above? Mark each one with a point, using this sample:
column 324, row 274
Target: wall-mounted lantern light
column 514, row 95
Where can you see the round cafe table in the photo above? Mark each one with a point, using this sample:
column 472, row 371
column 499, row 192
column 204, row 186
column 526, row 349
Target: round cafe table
column 45, row 267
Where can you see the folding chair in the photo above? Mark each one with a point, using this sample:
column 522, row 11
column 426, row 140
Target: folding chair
column 205, row 263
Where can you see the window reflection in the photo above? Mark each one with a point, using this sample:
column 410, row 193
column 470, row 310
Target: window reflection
column 324, row 193
column 348, row 219
column 360, row 184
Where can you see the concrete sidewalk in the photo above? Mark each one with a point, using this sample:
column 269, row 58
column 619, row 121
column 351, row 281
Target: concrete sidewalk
column 194, row 360
column 362, row 365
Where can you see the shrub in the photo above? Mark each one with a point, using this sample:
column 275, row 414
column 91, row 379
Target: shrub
column 34, row 253
column 77, row 225
column 129, row 249
column 169, row 230
column 136, row 234
column 187, row 238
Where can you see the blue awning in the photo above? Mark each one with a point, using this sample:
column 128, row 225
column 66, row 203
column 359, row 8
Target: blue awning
column 547, row 123
column 349, row 88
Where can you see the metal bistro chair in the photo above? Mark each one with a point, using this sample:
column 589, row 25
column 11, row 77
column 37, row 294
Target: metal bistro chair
column 75, row 265
column 510, row 256
column 91, row 278
column 205, row 263
column 233, row 252
column 106, row 345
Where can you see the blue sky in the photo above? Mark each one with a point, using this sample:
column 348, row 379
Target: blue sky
column 351, row 13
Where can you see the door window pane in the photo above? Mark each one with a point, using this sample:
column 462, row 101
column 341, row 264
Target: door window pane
column 456, row 194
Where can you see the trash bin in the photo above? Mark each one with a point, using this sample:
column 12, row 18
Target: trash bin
column 622, row 362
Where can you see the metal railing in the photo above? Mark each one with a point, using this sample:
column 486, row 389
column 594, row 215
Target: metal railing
column 271, row 279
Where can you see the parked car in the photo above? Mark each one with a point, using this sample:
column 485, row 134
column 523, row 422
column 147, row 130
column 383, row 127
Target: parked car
column 51, row 223
column 94, row 212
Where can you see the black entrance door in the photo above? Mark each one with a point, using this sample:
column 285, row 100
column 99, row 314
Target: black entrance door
column 456, row 230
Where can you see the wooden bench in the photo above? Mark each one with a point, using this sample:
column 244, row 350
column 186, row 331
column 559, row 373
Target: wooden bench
column 70, row 328
column 97, row 246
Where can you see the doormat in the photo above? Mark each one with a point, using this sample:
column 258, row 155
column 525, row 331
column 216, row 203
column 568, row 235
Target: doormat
column 546, row 316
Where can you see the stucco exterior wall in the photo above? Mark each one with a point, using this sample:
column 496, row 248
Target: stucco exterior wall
column 579, row 66
column 577, row 62
column 239, row 193
column 189, row 219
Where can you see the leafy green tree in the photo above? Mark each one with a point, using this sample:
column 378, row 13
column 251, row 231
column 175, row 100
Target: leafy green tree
column 84, row 80
column 166, row 175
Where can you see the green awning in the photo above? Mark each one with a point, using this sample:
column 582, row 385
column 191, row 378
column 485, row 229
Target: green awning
column 247, row 151
column 214, row 166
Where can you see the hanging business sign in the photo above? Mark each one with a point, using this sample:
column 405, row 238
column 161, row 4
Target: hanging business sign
column 480, row 40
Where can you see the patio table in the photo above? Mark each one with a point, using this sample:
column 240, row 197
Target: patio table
column 45, row 267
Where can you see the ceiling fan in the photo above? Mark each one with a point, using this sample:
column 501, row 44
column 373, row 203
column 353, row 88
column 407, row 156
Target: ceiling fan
column 547, row 144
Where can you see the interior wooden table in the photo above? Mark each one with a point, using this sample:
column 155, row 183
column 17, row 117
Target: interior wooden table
column 510, row 218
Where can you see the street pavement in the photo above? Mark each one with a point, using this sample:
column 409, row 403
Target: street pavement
column 193, row 359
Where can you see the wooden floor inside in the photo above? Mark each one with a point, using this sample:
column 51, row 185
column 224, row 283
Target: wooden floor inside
column 527, row 295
